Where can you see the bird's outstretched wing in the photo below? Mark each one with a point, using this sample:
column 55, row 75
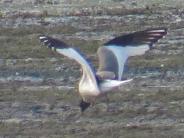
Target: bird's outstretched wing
column 113, row 55
column 72, row 53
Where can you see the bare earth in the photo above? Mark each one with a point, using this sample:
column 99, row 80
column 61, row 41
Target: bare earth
column 38, row 88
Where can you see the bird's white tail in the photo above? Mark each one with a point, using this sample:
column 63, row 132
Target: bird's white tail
column 107, row 85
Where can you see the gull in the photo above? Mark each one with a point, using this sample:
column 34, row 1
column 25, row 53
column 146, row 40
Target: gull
column 112, row 58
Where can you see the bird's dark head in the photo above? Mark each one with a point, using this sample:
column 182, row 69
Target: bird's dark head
column 84, row 105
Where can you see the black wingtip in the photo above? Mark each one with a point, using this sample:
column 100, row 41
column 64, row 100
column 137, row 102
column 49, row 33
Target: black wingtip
column 52, row 42
column 163, row 30
column 148, row 36
column 43, row 39
column 47, row 41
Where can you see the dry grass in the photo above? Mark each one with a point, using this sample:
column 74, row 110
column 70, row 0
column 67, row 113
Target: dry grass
column 136, row 111
column 96, row 121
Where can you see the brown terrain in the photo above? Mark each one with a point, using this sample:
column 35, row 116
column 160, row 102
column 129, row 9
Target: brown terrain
column 38, row 88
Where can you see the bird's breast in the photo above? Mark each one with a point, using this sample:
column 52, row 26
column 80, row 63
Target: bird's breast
column 87, row 88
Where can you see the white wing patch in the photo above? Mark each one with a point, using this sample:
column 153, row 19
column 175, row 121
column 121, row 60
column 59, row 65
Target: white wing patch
column 151, row 38
column 157, row 31
column 155, row 34
column 88, row 83
column 88, row 80
column 136, row 51
column 71, row 53
column 45, row 41
column 108, row 85
column 122, row 54
column 42, row 37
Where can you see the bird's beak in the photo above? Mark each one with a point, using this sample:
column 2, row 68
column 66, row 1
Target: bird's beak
column 84, row 105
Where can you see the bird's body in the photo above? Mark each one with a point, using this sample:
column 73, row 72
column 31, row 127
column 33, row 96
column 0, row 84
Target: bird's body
column 112, row 57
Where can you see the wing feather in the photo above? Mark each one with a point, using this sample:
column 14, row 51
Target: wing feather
column 72, row 53
column 124, row 46
column 149, row 36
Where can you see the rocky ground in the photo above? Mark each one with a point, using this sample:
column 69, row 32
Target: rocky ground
column 38, row 95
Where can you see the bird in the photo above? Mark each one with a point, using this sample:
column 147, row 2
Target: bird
column 112, row 57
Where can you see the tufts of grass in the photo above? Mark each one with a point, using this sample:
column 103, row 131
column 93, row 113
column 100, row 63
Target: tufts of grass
column 164, row 62
column 87, row 46
column 1, row 14
column 34, row 29
column 23, row 42
column 14, row 93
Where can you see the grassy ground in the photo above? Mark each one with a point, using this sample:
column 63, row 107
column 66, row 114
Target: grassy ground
column 55, row 113
column 151, row 106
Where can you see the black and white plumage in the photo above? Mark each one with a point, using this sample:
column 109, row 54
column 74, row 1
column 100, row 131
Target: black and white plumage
column 112, row 58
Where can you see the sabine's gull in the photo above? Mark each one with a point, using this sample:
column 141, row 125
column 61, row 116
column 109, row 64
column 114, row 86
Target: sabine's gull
column 112, row 58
